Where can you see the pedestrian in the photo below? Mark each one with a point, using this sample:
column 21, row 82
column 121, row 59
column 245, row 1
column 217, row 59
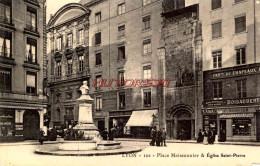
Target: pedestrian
column 104, row 134
column 205, row 138
column 211, row 137
column 163, row 137
column 153, row 136
column 200, row 137
column 158, row 137
column 41, row 136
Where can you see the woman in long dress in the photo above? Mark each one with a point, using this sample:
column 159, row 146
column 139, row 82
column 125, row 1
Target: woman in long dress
column 205, row 139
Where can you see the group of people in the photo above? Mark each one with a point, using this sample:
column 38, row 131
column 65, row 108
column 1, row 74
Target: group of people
column 109, row 135
column 51, row 135
column 158, row 137
column 207, row 136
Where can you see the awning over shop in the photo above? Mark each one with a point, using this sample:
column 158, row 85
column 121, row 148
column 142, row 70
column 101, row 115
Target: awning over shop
column 144, row 118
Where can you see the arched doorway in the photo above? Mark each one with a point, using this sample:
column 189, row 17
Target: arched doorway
column 180, row 122
column 31, row 124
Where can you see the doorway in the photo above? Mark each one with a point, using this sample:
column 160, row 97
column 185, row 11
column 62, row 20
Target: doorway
column 31, row 124
column 222, row 132
column 184, row 127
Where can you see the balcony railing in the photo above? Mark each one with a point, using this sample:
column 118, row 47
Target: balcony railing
column 20, row 96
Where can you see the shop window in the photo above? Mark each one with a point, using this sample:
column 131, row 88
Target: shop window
column 121, row 78
column 5, row 11
column 5, row 44
column 217, row 90
column 98, row 38
column 31, row 19
column 146, row 22
column 121, row 97
column 147, row 97
column 98, row 17
column 217, row 30
column 121, row 31
column 31, row 50
column 147, row 47
column 217, row 59
column 146, row 2
column 147, row 72
column 69, row 63
column 98, row 103
column 210, row 122
column 5, row 79
column 241, row 89
column 81, row 36
column 31, row 82
column 240, row 24
column 242, row 127
column 69, row 40
column 241, row 55
column 121, row 52
column 81, row 63
column 98, row 59
column 121, row 9
column 215, row 4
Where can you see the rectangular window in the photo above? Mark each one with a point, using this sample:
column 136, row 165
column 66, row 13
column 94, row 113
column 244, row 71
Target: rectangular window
column 81, row 63
column 147, row 47
column 98, row 103
column 147, row 97
column 237, row 1
column 98, row 38
column 69, row 61
column 240, row 24
column 121, row 52
column 58, row 68
column 121, row 31
column 121, row 8
column 146, row 2
column 5, row 11
column 121, row 97
column 69, row 40
column 98, row 17
column 217, row 90
column 121, row 78
column 147, row 72
column 31, row 82
column 81, row 36
column 217, row 30
column 98, row 79
column 215, row 4
column 98, row 58
column 5, row 44
column 241, row 55
column 241, row 89
column 59, row 41
column 5, row 79
column 217, row 59
column 146, row 22
column 242, row 127
column 31, row 50
column 31, row 19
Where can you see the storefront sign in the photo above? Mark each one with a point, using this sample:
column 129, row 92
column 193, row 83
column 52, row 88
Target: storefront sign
column 18, row 127
column 128, row 113
column 228, row 116
column 232, row 110
column 209, row 111
column 6, row 116
column 245, row 101
column 239, row 72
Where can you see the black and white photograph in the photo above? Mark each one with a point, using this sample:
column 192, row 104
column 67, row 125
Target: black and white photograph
column 130, row 82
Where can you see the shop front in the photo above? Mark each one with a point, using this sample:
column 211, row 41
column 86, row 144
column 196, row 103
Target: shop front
column 232, row 123
column 119, row 120
column 140, row 123
column 7, row 124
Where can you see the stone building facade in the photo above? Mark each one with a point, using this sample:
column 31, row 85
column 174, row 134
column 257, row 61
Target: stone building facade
column 68, row 59
column 182, row 64
column 231, row 68
column 22, row 99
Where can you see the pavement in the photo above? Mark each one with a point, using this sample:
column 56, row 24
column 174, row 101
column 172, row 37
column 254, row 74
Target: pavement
column 35, row 142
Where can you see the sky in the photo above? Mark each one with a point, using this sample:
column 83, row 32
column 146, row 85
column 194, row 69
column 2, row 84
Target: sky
column 54, row 5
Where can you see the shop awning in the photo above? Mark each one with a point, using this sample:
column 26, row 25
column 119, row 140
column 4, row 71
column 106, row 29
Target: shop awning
column 142, row 118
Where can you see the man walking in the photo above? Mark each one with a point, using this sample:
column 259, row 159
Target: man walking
column 153, row 135
column 163, row 137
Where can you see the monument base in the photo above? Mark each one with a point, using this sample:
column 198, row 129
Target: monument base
column 89, row 129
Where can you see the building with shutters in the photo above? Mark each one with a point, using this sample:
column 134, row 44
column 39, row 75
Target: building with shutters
column 231, row 68
column 22, row 43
